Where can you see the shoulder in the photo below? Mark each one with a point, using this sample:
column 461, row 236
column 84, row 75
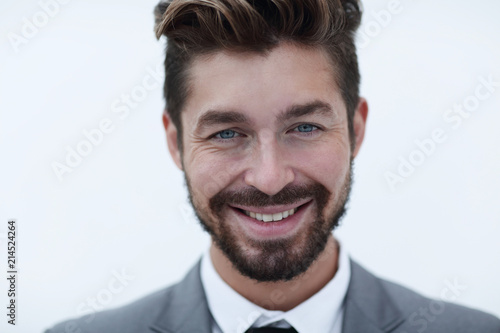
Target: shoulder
column 439, row 315
column 134, row 317
column 180, row 305
column 423, row 314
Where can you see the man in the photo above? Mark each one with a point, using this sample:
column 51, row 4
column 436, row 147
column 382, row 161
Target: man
column 264, row 118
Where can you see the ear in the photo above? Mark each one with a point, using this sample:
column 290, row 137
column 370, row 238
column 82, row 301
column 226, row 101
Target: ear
column 173, row 147
column 359, row 124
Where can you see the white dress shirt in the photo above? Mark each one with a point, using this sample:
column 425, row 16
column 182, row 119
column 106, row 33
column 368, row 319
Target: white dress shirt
column 232, row 313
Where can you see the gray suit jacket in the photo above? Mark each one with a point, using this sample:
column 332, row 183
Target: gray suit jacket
column 372, row 305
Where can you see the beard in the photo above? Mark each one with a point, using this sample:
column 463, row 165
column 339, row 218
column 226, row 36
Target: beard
column 273, row 260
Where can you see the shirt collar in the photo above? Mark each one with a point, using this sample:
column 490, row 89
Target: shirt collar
column 234, row 313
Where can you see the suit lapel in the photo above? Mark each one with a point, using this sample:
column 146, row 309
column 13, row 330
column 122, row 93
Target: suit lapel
column 186, row 310
column 368, row 307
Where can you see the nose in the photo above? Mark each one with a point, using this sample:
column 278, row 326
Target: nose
column 269, row 170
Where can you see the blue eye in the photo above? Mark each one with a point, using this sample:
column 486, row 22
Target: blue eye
column 226, row 134
column 306, row 128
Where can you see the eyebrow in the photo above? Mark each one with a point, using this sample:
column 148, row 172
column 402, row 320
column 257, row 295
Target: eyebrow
column 215, row 117
column 218, row 117
column 296, row 111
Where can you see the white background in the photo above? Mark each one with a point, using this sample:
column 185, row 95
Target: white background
column 124, row 207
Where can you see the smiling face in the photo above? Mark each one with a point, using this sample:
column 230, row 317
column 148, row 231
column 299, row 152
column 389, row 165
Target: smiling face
column 267, row 156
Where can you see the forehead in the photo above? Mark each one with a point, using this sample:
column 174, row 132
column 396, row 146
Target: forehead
column 259, row 84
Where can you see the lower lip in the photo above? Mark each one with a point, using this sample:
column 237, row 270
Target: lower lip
column 275, row 229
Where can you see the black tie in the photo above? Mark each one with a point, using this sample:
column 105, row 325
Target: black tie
column 271, row 330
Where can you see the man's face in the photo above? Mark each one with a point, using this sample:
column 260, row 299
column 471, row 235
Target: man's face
column 267, row 156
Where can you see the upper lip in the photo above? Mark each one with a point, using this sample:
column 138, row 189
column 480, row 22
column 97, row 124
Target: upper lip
column 271, row 209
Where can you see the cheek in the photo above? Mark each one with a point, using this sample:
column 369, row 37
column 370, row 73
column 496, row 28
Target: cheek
column 209, row 173
column 327, row 164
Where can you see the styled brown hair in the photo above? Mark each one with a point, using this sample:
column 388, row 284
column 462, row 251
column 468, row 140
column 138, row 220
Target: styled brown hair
column 197, row 27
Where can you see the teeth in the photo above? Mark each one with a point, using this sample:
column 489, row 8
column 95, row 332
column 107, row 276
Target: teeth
column 267, row 217
column 271, row 217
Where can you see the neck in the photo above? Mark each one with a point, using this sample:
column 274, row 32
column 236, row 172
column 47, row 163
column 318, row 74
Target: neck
column 281, row 295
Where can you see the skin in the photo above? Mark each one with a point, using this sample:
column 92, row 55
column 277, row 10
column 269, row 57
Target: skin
column 265, row 153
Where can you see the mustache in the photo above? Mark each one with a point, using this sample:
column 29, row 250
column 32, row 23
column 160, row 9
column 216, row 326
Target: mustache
column 251, row 196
